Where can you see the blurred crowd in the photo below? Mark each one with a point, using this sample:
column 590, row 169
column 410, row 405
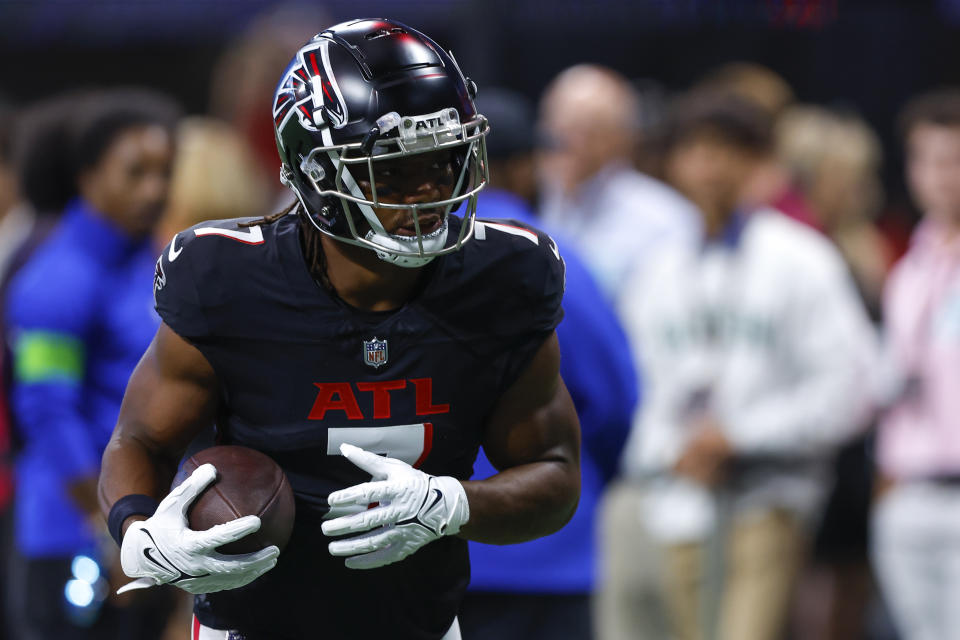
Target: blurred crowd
column 764, row 373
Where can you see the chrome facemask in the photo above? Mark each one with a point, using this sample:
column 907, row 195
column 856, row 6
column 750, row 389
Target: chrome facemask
column 397, row 136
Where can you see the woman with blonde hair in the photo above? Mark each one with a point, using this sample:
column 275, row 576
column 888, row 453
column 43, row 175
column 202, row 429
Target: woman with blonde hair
column 215, row 176
column 835, row 160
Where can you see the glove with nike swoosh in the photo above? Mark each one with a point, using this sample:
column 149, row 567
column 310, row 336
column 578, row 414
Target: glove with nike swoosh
column 415, row 508
column 163, row 549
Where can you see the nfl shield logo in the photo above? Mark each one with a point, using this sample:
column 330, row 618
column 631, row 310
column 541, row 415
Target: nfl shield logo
column 375, row 352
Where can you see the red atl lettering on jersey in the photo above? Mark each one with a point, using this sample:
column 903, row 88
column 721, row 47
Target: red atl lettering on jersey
column 345, row 401
column 381, row 395
column 425, row 404
column 339, row 396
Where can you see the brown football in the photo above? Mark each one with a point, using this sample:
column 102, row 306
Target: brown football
column 249, row 483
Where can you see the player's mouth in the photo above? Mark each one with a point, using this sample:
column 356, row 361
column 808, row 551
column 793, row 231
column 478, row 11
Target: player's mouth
column 429, row 223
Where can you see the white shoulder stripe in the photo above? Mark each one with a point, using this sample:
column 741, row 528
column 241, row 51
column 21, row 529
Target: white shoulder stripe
column 506, row 228
column 253, row 235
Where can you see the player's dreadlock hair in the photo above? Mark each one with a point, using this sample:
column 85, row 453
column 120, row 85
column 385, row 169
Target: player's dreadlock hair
column 309, row 241
column 271, row 218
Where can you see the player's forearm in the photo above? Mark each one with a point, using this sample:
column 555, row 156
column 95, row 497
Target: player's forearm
column 522, row 503
column 131, row 467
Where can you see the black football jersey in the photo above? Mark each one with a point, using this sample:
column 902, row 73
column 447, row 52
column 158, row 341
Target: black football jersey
column 301, row 372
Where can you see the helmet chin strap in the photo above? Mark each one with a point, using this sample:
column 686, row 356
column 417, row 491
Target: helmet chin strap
column 391, row 243
column 433, row 242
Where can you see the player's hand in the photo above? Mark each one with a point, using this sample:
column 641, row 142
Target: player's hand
column 415, row 508
column 163, row 550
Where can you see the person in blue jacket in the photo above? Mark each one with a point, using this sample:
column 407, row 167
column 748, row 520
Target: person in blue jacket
column 79, row 315
column 542, row 589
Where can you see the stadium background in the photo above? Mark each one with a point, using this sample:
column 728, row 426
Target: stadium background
column 865, row 57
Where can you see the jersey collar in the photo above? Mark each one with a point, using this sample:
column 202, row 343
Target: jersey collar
column 731, row 234
column 312, row 296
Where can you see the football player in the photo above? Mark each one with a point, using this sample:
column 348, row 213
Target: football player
column 369, row 340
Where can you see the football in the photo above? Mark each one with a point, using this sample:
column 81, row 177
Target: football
column 248, row 483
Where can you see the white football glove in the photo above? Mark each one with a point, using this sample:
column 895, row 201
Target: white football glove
column 415, row 508
column 163, row 550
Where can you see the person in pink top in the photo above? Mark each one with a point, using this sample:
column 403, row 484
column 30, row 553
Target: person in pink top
column 916, row 519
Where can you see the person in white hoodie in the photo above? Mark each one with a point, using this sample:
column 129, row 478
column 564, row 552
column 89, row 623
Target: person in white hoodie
column 753, row 346
column 617, row 217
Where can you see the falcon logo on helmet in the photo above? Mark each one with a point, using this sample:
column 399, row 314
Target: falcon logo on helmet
column 306, row 92
column 371, row 90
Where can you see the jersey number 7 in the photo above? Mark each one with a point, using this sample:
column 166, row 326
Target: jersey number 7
column 410, row 443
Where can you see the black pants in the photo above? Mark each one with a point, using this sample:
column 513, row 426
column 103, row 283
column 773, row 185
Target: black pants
column 512, row 616
column 37, row 609
column 844, row 533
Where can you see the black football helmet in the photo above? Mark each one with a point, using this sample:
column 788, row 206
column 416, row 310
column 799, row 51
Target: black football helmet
column 370, row 90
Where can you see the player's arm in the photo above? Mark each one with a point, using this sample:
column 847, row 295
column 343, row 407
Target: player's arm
column 533, row 438
column 171, row 396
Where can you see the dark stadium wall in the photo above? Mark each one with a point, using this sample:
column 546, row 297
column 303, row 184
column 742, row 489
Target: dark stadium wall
column 868, row 56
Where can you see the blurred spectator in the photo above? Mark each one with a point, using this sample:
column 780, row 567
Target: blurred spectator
column 245, row 76
column 590, row 121
column 79, row 316
column 652, row 103
column 21, row 230
column 34, row 209
column 915, row 524
column 751, row 81
column 614, row 214
column 835, row 160
column 752, row 346
column 215, row 176
column 771, row 183
column 14, row 217
column 542, row 589
column 9, row 198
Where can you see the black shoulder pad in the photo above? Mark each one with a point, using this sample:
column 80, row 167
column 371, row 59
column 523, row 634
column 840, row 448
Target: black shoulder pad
column 196, row 269
column 524, row 265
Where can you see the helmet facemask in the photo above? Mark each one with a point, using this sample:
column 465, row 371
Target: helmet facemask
column 335, row 171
